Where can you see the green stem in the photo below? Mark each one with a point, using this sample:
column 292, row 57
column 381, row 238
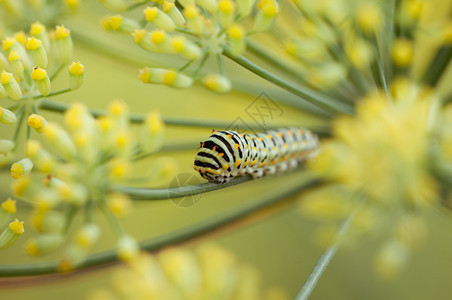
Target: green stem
column 177, row 192
column 114, row 223
column 221, row 65
column 53, row 94
column 283, row 65
column 21, row 114
column 326, row 256
column 438, row 65
column 50, row 105
column 319, row 100
column 201, row 64
column 57, row 72
column 183, row 234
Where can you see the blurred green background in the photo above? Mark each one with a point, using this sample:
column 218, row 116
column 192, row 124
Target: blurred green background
column 278, row 243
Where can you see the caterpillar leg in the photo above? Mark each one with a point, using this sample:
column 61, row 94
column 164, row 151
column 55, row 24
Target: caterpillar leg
column 257, row 174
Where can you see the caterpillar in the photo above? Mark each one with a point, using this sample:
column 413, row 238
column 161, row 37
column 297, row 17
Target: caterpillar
column 227, row 154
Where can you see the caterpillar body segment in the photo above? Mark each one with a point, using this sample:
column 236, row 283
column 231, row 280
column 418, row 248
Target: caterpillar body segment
column 227, row 154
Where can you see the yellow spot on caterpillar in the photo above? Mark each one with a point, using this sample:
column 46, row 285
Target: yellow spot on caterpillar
column 247, row 147
column 269, row 136
column 221, row 154
column 255, row 148
column 265, row 150
column 250, row 138
column 202, row 145
column 290, row 132
column 242, row 135
column 253, row 163
column 285, row 145
column 217, row 172
column 260, row 139
column 237, row 146
column 294, row 143
column 213, row 131
column 237, row 164
column 229, row 136
column 246, row 162
column 226, row 166
column 203, row 171
column 274, row 148
column 300, row 131
column 283, row 158
column 273, row 162
column 214, row 148
column 280, row 134
column 262, row 164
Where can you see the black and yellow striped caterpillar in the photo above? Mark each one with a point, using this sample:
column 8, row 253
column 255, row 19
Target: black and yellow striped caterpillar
column 227, row 154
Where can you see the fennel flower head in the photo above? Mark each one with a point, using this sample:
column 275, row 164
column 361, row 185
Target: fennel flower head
column 209, row 273
column 82, row 168
column 29, row 65
column 194, row 30
column 394, row 150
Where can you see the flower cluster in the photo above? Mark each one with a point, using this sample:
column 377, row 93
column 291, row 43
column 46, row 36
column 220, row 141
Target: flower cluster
column 176, row 273
column 348, row 48
column 383, row 154
column 81, row 172
column 27, row 73
column 194, row 30
column 392, row 152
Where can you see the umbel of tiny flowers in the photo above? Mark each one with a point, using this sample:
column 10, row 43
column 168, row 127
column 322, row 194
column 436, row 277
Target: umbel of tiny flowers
column 27, row 73
column 87, row 161
column 201, row 29
column 177, row 273
column 384, row 153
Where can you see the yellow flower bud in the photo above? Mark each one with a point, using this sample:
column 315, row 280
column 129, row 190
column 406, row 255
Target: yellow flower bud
column 159, row 19
column 37, row 52
column 41, row 80
column 266, row 15
column 165, row 76
column 21, row 168
column 7, row 116
column 122, row 24
column 6, row 146
column 63, row 45
column 60, row 139
column 194, row 20
column 173, row 12
column 402, row 52
column 217, row 83
column 8, row 208
column 77, row 75
column 39, row 31
column 37, row 122
column 119, row 204
column 16, row 63
column 128, row 248
column 186, row 48
column 10, row 235
column 11, row 86
column 226, row 12
column 44, row 244
column 236, row 39
column 209, row 5
column 87, row 236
